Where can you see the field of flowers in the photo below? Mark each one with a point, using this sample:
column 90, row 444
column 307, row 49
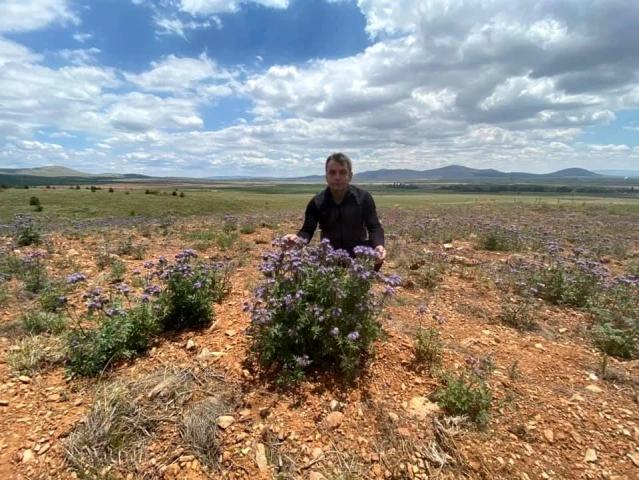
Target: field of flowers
column 497, row 341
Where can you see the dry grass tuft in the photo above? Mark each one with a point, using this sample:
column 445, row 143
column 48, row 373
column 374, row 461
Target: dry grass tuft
column 199, row 430
column 128, row 414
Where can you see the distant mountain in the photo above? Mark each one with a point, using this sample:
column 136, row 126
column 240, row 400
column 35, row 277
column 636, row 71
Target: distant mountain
column 51, row 171
column 55, row 175
column 619, row 173
column 459, row 172
column 55, row 171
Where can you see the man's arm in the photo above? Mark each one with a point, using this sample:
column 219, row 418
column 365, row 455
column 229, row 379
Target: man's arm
column 310, row 222
column 374, row 226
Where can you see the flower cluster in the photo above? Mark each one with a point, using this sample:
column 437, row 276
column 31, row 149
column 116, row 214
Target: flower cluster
column 317, row 304
column 189, row 288
column 96, row 300
column 76, row 278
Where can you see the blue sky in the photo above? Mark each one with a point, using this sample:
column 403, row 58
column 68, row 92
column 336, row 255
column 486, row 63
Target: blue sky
column 272, row 87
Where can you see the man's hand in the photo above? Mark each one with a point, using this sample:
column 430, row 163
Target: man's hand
column 290, row 239
column 382, row 254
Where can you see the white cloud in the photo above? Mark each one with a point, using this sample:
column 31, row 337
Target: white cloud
column 62, row 135
column 173, row 74
column 24, row 16
column 11, row 52
column 211, row 7
column 609, row 148
column 81, row 56
column 34, row 96
column 82, row 37
column 168, row 25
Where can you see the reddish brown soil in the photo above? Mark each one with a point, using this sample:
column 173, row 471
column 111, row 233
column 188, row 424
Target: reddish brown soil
column 545, row 421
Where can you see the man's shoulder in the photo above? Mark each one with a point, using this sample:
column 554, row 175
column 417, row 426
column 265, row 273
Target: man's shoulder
column 319, row 198
column 360, row 194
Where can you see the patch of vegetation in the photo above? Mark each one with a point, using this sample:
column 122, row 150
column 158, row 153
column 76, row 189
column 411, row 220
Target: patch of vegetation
column 467, row 393
column 316, row 309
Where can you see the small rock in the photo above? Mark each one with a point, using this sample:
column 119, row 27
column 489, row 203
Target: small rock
column 539, row 346
column 334, row 419
column 44, row 449
column 594, row 388
column 231, row 333
column 225, row 421
column 205, row 354
column 335, row 406
column 421, row 407
column 260, row 457
column 28, row 456
column 550, row 436
column 448, row 246
column 316, row 476
column 563, row 330
column 634, row 458
column 190, row 345
column 24, row 379
column 393, row 416
column 591, row 455
column 316, row 453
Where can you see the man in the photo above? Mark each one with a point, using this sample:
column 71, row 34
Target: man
column 344, row 212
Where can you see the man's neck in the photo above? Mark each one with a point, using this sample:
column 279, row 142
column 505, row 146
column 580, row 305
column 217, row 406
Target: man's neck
column 338, row 197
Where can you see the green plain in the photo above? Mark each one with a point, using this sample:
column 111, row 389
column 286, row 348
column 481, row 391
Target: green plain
column 63, row 204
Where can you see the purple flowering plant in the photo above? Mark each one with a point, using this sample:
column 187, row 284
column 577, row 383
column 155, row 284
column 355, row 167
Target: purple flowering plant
column 317, row 308
column 25, row 230
column 188, row 289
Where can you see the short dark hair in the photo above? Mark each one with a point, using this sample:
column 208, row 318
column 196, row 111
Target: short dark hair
column 340, row 158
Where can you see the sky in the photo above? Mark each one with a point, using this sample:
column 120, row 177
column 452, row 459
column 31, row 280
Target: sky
column 202, row 88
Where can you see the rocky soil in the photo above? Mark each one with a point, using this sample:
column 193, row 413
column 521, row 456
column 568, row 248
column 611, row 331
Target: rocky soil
column 552, row 415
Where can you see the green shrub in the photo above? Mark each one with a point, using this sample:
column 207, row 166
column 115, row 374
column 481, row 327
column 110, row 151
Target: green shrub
column 33, row 273
column 465, row 394
column 316, row 309
column 121, row 333
column 189, row 290
column 497, row 237
column 26, row 233
column 428, row 346
column 37, row 322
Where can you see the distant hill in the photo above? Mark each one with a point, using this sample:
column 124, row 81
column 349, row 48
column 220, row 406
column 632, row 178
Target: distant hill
column 55, row 171
column 619, row 173
column 51, row 171
column 56, row 175
column 459, row 172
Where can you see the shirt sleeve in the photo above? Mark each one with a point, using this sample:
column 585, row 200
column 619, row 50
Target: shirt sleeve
column 310, row 222
column 374, row 226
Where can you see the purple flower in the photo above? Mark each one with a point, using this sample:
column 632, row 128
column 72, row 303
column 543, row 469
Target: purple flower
column 75, row 278
column 353, row 336
column 303, row 361
column 335, row 331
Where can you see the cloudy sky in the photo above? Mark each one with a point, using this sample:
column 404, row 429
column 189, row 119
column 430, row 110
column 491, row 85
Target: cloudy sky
column 251, row 87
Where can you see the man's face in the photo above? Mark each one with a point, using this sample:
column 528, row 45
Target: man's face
column 338, row 176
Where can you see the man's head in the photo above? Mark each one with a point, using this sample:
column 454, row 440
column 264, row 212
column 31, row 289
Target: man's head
column 339, row 172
